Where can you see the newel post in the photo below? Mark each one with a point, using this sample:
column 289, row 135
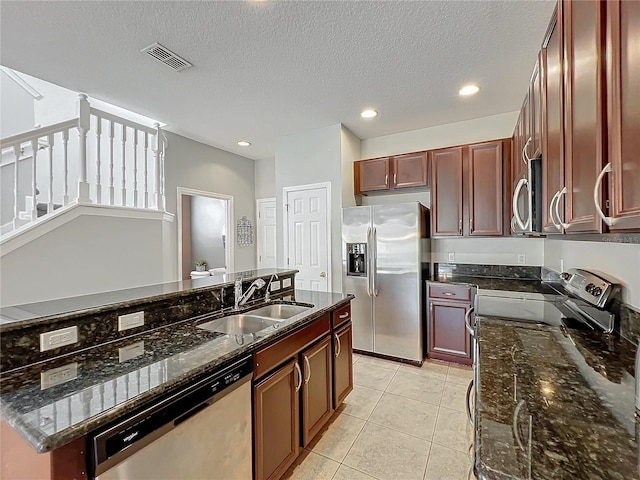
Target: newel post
column 84, row 124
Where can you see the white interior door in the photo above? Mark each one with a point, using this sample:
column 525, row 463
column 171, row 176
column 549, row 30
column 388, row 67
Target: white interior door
column 309, row 236
column 267, row 233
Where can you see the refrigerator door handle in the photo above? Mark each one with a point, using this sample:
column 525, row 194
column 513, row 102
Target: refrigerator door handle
column 369, row 261
column 374, row 270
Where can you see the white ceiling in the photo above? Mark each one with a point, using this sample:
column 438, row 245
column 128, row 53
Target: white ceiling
column 267, row 69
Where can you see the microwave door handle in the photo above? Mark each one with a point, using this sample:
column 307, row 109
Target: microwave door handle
column 369, row 271
column 560, row 194
column 516, row 213
column 525, row 157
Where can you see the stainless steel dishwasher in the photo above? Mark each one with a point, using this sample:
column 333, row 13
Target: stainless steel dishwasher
column 201, row 432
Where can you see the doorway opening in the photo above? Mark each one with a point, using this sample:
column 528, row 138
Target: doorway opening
column 205, row 231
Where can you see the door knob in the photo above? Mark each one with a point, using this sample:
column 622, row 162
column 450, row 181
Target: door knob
column 323, row 274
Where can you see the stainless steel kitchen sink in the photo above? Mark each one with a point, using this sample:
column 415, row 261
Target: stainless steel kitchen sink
column 278, row 311
column 238, row 324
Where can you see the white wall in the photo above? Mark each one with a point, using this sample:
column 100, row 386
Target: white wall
column 307, row 158
column 16, row 108
column 89, row 254
column 194, row 165
column 265, row 174
column 350, row 151
column 618, row 259
column 491, row 251
column 459, row 133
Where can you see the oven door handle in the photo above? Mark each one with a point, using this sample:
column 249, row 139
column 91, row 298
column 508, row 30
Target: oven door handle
column 514, row 423
column 467, row 322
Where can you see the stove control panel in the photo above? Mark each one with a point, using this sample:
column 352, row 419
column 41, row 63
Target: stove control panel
column 589, row 286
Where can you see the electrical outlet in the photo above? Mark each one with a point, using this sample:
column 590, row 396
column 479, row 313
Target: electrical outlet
column 130, row 320
column 286, row 282
column 452, row 257
column 275, row 285
column 130, row 351
column 56, row 376
column 522, row 259
column 58, row 338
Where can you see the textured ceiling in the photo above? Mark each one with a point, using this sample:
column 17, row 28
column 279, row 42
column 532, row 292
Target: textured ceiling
column 268, row 69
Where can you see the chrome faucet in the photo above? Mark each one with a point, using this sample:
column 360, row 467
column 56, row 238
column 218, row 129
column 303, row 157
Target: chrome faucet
column 267, row 295
column 242, row 298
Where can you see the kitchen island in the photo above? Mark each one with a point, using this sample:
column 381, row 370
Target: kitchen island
column 54, row 400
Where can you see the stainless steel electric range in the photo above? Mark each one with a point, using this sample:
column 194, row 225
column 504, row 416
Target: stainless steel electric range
column 553, row 384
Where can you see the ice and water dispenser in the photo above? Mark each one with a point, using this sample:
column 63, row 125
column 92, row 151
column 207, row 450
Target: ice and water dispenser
column 357, row 259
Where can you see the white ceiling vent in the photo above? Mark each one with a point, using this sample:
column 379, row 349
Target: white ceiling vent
column 166, row 56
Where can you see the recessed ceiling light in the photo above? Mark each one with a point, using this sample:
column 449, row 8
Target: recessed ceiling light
column 369, row 113
column 244, row 143
column 468, row 90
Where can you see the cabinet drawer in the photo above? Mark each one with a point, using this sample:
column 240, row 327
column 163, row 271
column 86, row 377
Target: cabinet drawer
column 450, row 292
column 341, row 315
column 270, row 357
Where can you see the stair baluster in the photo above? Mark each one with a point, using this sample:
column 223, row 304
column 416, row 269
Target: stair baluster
column 146, row 170
column 98, row 160
column 111, row 186
column 124, row 173
column 65, row 166
column 34, row 190
column 16, row 208
column 50, row 196
column 135, row 167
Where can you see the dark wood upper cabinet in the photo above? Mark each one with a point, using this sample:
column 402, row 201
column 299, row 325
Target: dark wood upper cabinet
column 623, row 93
column 584, row 147
column 387, row 174
column 410, row 170
column 446, row 192
column 317, row 397
column 371, row 175
column 486, row 182
column 552, row 129
column 535, row 105
column 276, row 422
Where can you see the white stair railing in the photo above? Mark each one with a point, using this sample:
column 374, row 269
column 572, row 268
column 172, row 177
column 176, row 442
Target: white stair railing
column 110, row 151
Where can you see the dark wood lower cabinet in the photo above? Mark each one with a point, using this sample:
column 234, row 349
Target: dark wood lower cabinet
column 342, row 364
column 317, row 399
column 448, row 338
column 276, row 422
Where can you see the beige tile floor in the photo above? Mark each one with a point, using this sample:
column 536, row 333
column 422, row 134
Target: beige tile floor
column 399, row 423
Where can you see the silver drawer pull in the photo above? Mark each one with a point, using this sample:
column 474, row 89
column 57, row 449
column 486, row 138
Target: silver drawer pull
column 306, row 360
column 469, row 415
column 299, row 377
column 344, row 315
column 338, row 346
column 449, row 294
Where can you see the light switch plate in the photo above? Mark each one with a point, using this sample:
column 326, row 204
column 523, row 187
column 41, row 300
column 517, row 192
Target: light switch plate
column 56, row 376
column 522, row 259
column 286, row 282
column 275, row 285
column 130, row 320
column 131, row 351
column 58, row 338
column 452, row 257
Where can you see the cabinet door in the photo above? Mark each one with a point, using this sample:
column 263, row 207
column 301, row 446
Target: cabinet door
column 446, row 192
column 317, row 400
column 410, row 170
column 372, row 175
column 535, row 106
column 485, row 189
column 553, row 131
column 276, row 422
column 448, row 338
column 623, row 75
column 342, row 364
column 584, row 121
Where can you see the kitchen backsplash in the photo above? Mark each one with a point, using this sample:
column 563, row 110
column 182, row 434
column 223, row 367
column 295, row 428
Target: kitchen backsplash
column 495, row 271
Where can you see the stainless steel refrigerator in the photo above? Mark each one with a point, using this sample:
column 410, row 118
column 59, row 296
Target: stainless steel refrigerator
column 385, row 260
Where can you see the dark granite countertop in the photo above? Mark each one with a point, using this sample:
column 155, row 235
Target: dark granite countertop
column 107, row 386
column 17, row 316
column 554, row 402
column 494, row 283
